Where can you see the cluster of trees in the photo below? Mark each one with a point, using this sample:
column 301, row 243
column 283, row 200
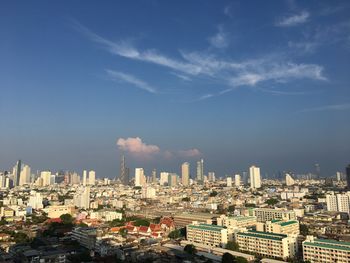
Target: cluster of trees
column 229, row 258
column 272, row 201
column 177, row 233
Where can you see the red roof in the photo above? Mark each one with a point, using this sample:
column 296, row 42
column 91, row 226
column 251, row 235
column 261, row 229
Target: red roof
column 143, row 229
column 155, row 227
column 167, row 221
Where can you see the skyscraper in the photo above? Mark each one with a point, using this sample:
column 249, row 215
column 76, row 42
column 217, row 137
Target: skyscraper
column 140, row 178
column 17, row 173
column 185, row 174
column 347, row 171
column 92, row 177
column 124, row 172
column 200, row 171
column 317, row 170
column 154, row 176
column 25, row 175
column 237, row 180
column 84, row 177
column 255, row 179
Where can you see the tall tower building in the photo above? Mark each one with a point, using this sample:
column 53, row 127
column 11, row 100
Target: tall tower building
column 185, row 174
column 289, row 180
column 140, row 178
column 17, row 173
column 255, row 179
column 154, row 176
column 237, row 180
column 347, row 171
column 92, row 177
column 317, row 170
column 25, row 175
column 84, row 177
column 200, row 171
column 46, row 177
column 124, row 172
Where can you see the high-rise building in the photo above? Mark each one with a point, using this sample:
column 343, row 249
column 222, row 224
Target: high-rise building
column 46, row 178
column 92, row 177
column 35, row 200
column 84, row 177
column 200, row 171
column 124, row 172
column 140, row 178
column 347, row 171
column 173, row 178
column 17, row 173
column 229, row 181
column 82, row 198
column 255, row 179
column 317, row 170
column 24, row 175
column 289, row 180
column 211, row 176
column 154, row 176
column 185, row 174
column 237, row 180
column 164, row 178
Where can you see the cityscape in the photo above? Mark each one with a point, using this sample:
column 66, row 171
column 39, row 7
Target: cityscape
column 175, row 131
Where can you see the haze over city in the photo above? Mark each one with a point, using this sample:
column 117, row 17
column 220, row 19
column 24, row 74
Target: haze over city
column 234, row 83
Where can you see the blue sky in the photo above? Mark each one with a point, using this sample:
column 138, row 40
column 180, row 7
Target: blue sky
column 233, row 82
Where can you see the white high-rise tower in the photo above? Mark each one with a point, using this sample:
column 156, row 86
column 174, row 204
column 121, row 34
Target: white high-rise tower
column 92, row 177
column 185, row 174
column 255, row 179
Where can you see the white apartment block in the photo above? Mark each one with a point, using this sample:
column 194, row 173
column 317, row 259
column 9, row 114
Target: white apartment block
column 338, row 202
column 276, row 226
column 267, row 244
column 268, row 214
column 210, row 235
column 325, row 250
column 236, row 221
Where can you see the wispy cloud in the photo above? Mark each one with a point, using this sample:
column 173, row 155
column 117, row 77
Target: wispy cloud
column 117, row 75
column 220, row 39
column 229, row 73
column 294, row 20
column 334, row 107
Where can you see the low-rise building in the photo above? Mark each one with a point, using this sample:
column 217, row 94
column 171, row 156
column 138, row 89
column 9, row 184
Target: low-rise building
column 236, row 221
column 86, row 236
column 211, row 235
column 267, row 244
column 290, row 227
column 325, row 250
column 268, row 214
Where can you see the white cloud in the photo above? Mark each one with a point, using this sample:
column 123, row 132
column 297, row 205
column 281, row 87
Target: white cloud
column 136, row 147
column 190, row 153
column 230, row 73
column 334, row 107
column 294, row 20
column 220, row 39
column 116, row 75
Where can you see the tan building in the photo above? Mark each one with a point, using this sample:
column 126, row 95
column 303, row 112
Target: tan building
column 325, row 250
column 56, row 211
column 236, row 221
column 268, row 214
column 210, row 235
column 184, row 219
column 267, row 244
column 290, row 227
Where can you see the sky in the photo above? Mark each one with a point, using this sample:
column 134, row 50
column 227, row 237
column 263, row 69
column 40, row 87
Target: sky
column 236, row 83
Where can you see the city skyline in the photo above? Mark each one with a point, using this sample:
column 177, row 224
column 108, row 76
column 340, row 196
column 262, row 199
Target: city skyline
column 234, row 83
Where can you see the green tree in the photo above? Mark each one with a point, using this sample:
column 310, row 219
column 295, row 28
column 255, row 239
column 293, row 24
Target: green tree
column 123, row 232
column 20, row 237
column 190, row 249
column 186, row 199
column 174, row 234
column 271, row 201
column 141, row 222
column 66, row 219
column 304, row 230
column 231, row 245
column 213, row 194
column 227, row 258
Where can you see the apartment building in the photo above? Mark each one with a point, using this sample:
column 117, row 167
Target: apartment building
column 236, row 221
column 210, row 235
column 276, row 226
column 268, row 214
column 273, row 245
column 325, row 250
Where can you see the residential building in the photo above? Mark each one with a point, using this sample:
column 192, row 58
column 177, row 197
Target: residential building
column 185, row 174
column 325, row 250
column 255, row 178
column 290, row 227
column 268, row 214
column 210, row 235
column 267, row 244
